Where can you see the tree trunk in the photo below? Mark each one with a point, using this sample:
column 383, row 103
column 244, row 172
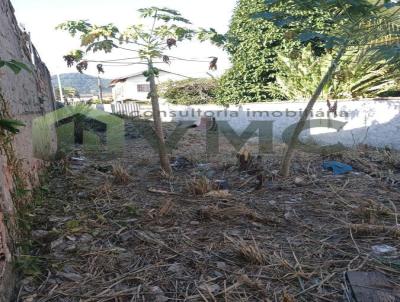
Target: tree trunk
column 100, row 87
column 162, row 149
column 287, row 159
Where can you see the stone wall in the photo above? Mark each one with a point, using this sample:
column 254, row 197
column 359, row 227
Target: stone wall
column 25, row 96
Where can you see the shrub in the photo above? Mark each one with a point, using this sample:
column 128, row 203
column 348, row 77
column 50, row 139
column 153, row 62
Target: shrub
column 300, row 72
column 190, row 92
column 367, row 74
column 370, row 73
column 96, row 101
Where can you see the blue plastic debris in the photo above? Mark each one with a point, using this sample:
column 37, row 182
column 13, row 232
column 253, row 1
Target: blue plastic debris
column 336, row 167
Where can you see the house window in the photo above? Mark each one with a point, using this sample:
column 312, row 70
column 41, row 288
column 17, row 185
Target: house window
column 143, row 88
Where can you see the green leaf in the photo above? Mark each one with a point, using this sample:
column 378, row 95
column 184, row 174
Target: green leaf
column 270, row 2
column 106, row 46
column 11, row 125
column 15, row 66
column 390, row 4
column 307, row 36
column 265, row 15
column 211, row 35
column 73, row 27
column 164, row 14
column 20, row 65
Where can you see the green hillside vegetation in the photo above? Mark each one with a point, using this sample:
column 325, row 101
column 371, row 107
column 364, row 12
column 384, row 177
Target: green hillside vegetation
column 83, row 83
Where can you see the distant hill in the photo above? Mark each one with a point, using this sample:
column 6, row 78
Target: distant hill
column 85, row 84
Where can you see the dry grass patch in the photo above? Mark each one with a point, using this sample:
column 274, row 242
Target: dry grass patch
column 230, row 213
column 121, row 176
column 249, row 251
column 166, row 208
column 199, row 186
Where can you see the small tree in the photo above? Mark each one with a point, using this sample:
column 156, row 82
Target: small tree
column 68, row 92
column 167, row 28
column 357, row 25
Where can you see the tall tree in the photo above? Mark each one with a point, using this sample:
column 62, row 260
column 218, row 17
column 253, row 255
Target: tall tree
column 358, row 24
column 167, row 28
column 253, row 46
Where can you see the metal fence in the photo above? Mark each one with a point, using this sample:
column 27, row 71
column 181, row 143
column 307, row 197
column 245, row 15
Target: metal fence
column 129, row 109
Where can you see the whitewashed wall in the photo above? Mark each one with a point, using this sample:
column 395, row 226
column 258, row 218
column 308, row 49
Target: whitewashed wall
column 372, row 122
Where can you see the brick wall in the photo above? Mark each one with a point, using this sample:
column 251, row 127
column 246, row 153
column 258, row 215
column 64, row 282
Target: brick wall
column 27, row 96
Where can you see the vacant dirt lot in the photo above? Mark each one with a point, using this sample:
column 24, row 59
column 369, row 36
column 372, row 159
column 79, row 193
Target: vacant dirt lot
column 119, row 230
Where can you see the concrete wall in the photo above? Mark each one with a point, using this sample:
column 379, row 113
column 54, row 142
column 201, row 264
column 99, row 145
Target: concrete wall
column 372, row 122
column 27, row 96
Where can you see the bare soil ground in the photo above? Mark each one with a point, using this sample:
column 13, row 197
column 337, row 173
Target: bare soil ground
column 119, row 230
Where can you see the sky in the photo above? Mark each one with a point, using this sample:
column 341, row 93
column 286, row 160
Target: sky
column 40, row 18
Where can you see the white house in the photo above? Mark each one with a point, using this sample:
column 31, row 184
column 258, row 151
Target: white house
column 135, row 87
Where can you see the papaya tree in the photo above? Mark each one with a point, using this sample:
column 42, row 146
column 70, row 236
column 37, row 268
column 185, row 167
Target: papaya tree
column 356, row 25
column 167, row 28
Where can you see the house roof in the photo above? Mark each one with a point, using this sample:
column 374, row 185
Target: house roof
column 123, row 79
